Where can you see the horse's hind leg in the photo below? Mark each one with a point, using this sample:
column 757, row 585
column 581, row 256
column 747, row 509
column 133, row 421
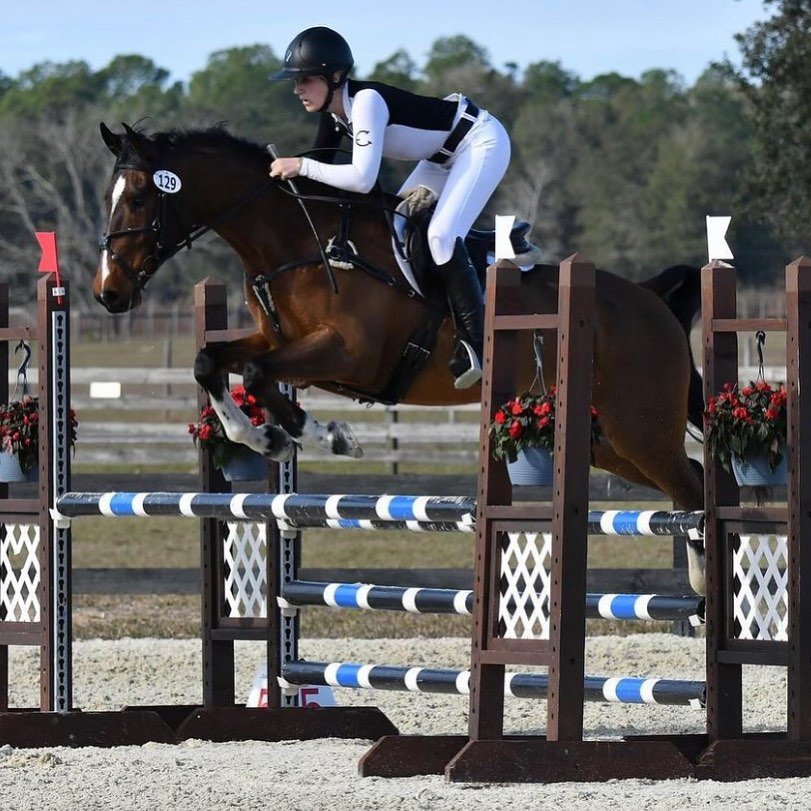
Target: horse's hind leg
column 650, row 459
column 682, row 479
column 606, row 458
column 684, row 483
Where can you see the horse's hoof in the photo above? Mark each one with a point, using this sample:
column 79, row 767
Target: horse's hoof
column 342, row 440
column 281, row 447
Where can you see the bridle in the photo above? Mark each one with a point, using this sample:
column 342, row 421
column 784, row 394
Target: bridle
column 162, row 252
column 151, row 263
column 139, row 277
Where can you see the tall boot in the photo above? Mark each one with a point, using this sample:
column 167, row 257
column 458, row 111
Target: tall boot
column 465, row 297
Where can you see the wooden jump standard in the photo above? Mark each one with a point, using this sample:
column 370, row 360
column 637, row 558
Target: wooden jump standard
column 219, row 717
column 725, row 752
column 486, row 754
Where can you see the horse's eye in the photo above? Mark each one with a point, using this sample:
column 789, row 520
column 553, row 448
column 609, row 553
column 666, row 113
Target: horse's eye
column 138, row 202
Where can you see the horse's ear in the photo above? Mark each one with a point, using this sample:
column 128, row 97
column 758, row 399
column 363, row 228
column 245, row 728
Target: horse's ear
column 140, row 144
column 115, row 143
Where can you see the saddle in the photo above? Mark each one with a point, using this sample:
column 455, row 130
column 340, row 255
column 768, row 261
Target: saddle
column 414, row 256
column 409, row 232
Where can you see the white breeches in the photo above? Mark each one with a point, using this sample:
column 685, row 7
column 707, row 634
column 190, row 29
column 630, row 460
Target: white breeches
column 463, row 184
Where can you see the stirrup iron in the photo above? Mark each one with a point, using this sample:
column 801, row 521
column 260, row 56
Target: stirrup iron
column 469, row 364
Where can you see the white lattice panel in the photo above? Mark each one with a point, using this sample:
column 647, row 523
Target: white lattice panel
column 760, row 595
column 244, row 551
column 19, row 573
column 526, row 564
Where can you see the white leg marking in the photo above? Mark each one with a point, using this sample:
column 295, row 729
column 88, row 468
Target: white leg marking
column 239, row 428
column 335, row 437
column 237, row 425
column 313, row 431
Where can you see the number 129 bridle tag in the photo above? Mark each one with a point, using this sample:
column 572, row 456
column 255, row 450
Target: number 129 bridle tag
column 168, row 182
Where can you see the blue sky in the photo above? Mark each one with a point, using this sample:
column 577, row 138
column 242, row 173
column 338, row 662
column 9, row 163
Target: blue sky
column 588, row 37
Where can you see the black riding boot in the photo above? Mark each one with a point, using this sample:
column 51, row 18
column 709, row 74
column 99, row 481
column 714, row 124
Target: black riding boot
column 465, row 297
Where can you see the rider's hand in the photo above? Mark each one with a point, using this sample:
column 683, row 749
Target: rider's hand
column 285, row 168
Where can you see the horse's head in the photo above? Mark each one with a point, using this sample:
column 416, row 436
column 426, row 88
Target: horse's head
column 145, row 224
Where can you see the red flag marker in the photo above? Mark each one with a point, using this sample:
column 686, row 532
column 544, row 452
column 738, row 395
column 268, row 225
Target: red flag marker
column 49, row 262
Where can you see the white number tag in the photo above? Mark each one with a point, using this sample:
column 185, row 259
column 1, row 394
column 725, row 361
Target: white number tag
column 167, row 181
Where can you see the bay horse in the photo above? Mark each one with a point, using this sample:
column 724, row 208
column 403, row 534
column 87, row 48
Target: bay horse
column 344, row 330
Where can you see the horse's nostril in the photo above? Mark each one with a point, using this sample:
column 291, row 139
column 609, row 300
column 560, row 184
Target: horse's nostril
column 110, row 300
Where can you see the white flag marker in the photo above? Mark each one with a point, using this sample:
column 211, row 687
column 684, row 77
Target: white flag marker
column 717, row 247
column 504, row 248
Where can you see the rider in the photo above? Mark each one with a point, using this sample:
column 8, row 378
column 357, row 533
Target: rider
column 462, row 154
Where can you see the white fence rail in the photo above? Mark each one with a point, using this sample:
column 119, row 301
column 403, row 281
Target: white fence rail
column 141, row 375
column 165, row 401
column 391, row 434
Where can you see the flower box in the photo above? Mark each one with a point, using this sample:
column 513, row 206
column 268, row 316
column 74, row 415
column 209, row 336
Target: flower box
column 755, row 470
column 245, row 465
column 524, row 425
column 10, row 470
column 533, row 467
column 747, row 427
column 19, row 438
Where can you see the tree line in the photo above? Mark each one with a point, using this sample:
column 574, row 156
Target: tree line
column 621, row 169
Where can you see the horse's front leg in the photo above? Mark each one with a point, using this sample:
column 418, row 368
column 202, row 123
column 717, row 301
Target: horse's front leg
column 319, row 356
column 210, row 366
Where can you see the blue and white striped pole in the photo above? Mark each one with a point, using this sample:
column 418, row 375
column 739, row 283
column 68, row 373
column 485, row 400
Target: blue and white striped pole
column 658, row 607
column 293, row 507
column 299, row 510
column 518, row 685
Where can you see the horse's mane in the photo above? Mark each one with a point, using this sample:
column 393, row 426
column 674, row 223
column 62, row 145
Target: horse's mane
column 211, row 138
column 217, row 138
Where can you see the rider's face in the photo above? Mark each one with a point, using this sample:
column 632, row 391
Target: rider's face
column 311, row 91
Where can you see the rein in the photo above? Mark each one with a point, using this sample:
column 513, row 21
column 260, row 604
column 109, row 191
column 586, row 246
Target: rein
column 342, row 250
column 339, row 251
column 271, row 148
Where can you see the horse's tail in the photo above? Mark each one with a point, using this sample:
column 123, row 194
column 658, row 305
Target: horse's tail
column 679, row 287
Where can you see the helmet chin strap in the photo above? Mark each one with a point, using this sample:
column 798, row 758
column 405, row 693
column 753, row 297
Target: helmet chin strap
column 332, row 86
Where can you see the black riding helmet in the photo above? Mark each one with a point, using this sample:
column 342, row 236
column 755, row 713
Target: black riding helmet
column 318, row 51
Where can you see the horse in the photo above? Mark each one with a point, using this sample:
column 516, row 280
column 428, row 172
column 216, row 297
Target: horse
column 343, row 329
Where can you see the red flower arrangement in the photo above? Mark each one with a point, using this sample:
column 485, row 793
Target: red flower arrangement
column 745, row 422
column 19, row 430
column 528, row 421
column 208, row 434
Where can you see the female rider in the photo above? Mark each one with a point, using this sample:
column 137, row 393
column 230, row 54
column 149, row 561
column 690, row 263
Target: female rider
column 462, row 154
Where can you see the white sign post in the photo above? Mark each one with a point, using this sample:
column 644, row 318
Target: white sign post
column 312, row 696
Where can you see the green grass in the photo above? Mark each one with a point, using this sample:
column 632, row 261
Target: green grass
column 135, row 542
column 137, row 352
column 174, row 542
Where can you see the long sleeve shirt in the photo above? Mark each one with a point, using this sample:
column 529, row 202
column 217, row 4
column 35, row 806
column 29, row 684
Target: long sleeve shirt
column 382, row 121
